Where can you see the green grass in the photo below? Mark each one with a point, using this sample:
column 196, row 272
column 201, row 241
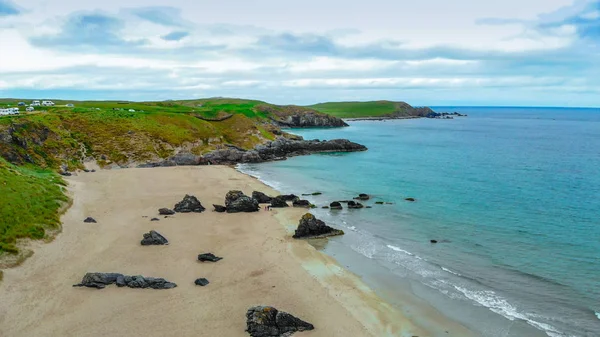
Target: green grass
column 363, row 109
column 31, row 199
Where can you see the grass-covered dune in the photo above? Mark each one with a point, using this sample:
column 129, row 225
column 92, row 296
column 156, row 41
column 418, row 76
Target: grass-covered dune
column 370, row 109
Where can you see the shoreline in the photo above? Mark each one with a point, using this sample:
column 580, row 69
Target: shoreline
column 263, row 265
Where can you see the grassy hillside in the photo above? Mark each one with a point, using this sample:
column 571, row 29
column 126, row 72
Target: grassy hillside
column 368, row 109
column 31, row 199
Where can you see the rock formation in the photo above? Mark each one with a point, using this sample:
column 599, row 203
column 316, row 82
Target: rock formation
column 90, row 220
column 220, row 208
column 279, row 202
column 237, row 202
column 189, row 204
column 208, row 257
column 201, row 282
column 261, row 197
column 101, row 280
column 363, row 196
column 301, row 203
column 269, row 322
column 410, row 199
column 289, row 197
column 353, row 204
column 311, row 227
column 166, row 211
column 335, row 205
column 154, row 238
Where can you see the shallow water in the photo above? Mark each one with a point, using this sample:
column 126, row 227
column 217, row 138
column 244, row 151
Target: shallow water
column 511, row 194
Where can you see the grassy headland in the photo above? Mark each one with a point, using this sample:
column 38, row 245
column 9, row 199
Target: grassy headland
column 370, row 109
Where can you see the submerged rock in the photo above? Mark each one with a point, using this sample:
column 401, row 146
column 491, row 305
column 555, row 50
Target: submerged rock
column 353, row 204
column 379, row 202
column 101, row 280
column 410, row 199
column 301, row 203
column 208, row 257
column 261, row 197
column 311, row 227
column 314, row 193
column 166, row 211
column 433, row 241
column 363, row 196
column 189, row 204
column 201, row 282
column 90, row 220
column 279, row 202
column 154, row 238
column 325, row 207
column 262, row 321
column 219, row 208
column 335, row 205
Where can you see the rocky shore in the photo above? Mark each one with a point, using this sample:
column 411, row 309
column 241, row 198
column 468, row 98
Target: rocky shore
column 279, row 149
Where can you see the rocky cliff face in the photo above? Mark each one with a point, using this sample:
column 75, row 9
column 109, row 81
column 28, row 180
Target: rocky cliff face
column 300, row 117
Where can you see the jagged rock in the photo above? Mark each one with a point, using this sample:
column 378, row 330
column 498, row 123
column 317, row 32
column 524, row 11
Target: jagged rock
column 219, row 208
column 208, row 257
column 353, row 204
column 301, row 203
column 232, row 196
column 154, row 238
column 335, row 205
column 363, row 196
column 186, row 158
column 155, row 219
column 90, row 220
column 289, row 197
column 166, row 211
column 201, row 282
column 279, row 202
column 261, row 197
column 264, row 321
column 189, row 204
column 410, row 199
column 311, row 227
column 101, row 280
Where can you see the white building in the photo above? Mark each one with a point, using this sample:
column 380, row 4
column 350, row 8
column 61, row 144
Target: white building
column 47, row 103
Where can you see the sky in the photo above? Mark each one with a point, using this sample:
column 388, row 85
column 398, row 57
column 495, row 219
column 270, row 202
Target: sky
column 427, row 52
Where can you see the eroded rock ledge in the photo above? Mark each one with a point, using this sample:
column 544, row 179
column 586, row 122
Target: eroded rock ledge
column 278, row 149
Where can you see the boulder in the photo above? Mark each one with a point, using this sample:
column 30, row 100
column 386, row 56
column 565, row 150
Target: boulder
column 101, row 280
column 189, row 204
column 335, row 205
column 353, row 204
column 90, row 220
column 363, row 196
column 155, row 219
column 410, row 199
column 154, row 238
column 433, row 241
column 289, row 197
column 166, row 211
column 243, row 204
column 264, row 321
column 232, row 196
column 301, row 203
column 311, row 227
column 261, row 197
column 201, row 282
column 208, row 257
column 279, row 202
column 220, row 208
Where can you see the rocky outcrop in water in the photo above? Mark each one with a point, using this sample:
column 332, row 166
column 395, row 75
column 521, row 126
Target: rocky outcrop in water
column 301, row 203
column 237, row 202
column 354, row 204
column 154, row 238
column 101, row 280
column 335, row 205
column 261, row 197
column 299, row 117
column 264, row 321
column 311, row 227
column 410, row 199
column 189, row 204
column 362, row 196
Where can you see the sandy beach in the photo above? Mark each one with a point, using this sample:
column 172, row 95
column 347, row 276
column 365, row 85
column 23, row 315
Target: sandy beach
column 262, row 265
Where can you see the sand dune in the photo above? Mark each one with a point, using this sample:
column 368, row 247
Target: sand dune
column 261, row 265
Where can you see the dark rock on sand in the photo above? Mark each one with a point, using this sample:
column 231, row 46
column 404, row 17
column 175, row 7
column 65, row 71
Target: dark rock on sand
column 270, row 322
column 90, row 220
column 410, row 199
column 335, row 205
column 166, row 211
column 101, row 280
column 279, row 202
column 232, row 196
column 289, row 197
column 236, row 202
column 155, row 219
column 154, row 238
column 208, row 257
column 311, row 227
column 301, row 203
column 189, row 204
column 220, row 208
column 363, row 196
column 261, row 197
column 353, row 204
column 201, row 282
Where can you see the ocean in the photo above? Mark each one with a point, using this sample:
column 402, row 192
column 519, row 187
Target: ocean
column 512, row 195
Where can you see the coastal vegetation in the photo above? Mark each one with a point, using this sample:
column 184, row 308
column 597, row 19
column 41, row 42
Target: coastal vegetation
column 370, row 109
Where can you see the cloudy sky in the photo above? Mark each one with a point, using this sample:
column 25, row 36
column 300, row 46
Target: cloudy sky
column 427, row 52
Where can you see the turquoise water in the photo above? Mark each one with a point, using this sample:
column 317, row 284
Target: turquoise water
column 512, row 194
